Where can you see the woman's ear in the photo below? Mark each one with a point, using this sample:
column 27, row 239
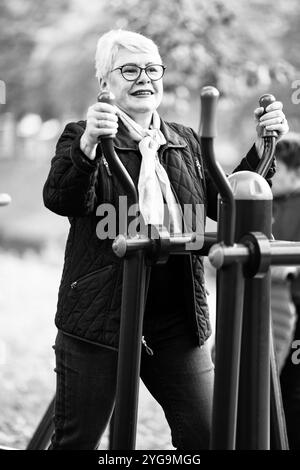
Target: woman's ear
column 103, row 84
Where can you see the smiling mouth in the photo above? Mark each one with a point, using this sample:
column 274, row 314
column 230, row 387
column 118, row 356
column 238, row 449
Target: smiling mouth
column 142, row 93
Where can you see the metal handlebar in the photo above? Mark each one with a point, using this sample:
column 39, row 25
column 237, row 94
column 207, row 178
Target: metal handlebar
column 112, row 158
column 281, row 253
column 226, row 227
column 269, row 139
column 209, row 98
column 264, row 101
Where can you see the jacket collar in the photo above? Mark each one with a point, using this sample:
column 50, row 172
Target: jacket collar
column 173, row 139
column 123, row 141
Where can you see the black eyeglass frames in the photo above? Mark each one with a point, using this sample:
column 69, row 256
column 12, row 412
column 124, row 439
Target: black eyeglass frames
column 132, row 72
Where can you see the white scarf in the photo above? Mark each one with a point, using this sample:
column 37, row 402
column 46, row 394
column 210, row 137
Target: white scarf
column 154, row 184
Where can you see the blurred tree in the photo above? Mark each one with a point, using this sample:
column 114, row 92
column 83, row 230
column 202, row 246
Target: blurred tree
column 236, row 46
column 240, row 126
column 20, row 20
column 232, row 45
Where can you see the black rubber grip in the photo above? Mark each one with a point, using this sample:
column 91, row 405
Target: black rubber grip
column 209, row 99
column 264, row 102
column 106, row 97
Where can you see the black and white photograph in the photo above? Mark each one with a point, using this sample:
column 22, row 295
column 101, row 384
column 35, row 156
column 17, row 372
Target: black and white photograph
column 150, row 228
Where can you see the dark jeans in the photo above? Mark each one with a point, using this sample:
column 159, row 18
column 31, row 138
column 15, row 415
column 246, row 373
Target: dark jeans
column 290, row 387
column 179, row 376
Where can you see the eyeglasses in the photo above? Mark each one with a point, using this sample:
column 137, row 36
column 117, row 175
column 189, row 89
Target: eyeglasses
column 132, row 72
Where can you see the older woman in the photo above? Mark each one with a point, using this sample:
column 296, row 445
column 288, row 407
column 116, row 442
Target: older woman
column 164, row 161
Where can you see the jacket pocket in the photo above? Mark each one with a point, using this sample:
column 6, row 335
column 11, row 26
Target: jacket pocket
column 89, row 297
column 79, row 283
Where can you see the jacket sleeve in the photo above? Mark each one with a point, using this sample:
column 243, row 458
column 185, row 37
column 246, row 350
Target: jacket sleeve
column 250, row 163
column 70, row 189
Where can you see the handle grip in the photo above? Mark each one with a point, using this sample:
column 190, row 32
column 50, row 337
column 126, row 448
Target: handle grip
column 112, row 158
column 106, row 97
column 209, row 100
column 208, row 129
column 264, row 102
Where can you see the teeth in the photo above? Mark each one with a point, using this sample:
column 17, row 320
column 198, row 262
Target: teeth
column 142, row 93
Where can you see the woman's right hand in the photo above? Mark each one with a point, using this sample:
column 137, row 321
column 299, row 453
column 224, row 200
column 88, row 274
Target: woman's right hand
column 101, row 120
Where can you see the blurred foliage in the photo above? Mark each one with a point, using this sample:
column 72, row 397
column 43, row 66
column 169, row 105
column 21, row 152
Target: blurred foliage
column 20, row 22
column 47, row 48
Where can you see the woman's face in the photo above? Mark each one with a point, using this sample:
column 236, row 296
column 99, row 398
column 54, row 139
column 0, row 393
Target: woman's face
column 128, row 94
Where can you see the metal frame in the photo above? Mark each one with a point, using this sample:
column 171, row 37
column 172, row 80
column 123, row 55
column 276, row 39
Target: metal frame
column 246, row 377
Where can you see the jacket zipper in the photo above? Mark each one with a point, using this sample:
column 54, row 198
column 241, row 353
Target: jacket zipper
column 105, row 163
column 108, row 180
column 198, row 165
column 148, row 350
column 86, row 276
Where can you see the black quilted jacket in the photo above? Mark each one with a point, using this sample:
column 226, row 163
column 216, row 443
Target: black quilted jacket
column 89, row 297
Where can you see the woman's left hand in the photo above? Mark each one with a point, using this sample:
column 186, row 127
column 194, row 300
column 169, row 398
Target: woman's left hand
column 273, row 120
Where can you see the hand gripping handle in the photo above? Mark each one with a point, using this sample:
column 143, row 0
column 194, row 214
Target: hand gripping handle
column 269, row 139
column 112, row 158
column 106, row 97
column 264, row 102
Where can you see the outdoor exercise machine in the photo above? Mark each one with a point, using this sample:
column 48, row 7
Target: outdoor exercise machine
column 246, row 393
column 246, row 375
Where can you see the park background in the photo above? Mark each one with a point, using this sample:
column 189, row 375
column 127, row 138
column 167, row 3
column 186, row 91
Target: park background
column 244, row 48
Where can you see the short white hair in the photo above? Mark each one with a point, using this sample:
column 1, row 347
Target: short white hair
column 110, row 43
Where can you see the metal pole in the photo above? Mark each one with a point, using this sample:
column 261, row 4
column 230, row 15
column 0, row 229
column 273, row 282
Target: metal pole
column 254, row 213
column 269, row 139
column 230, row 288
column 131, row 322
column 228, row 342
column 279, row 439
column 282, row 253
column 43, row 433
column 133, row 300
column 208, row 130
column 254, row 393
